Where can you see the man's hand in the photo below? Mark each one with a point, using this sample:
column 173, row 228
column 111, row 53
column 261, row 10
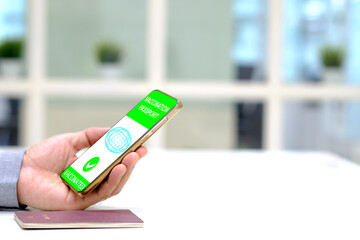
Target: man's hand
column 40, row 185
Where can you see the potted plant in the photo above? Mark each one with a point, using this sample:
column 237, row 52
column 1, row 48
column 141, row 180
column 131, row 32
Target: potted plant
column 332, row 58
column 109, row 57
column 10, row 58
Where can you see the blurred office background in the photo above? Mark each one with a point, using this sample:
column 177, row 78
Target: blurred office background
column 252, row 74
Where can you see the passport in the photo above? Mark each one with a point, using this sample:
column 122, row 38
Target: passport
column 78, row 219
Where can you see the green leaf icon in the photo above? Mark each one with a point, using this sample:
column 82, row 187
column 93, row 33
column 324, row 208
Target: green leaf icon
column 91, row 164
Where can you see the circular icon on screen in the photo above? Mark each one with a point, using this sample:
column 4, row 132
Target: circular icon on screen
column 117, row 140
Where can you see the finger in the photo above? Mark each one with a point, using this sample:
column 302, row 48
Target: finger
column 141, row 151
column 117, row 178
column 120, row 174
column 129, row 162
column 106, row 189
column 87, row 138
column 120, row 169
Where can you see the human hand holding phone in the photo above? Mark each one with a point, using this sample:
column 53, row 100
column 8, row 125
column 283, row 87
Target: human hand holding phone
column 40, row 185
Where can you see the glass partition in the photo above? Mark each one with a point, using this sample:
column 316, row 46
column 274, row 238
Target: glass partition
column 97, row 39
column 72, row 115
column 13, row 33
column 9, row 121
column 216, row 40
column 325, row 126
column 216, row 125
column 321, row 41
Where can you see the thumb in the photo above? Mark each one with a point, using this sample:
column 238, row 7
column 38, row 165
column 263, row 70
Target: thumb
column 87, row 137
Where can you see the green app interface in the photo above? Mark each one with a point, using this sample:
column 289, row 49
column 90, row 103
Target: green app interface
column 118, row 139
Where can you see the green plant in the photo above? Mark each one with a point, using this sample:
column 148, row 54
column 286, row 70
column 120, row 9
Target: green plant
column 332, row 56
column 11, row 48
column 108, row 52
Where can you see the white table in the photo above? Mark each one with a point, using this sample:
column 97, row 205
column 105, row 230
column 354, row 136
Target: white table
column 230, row 195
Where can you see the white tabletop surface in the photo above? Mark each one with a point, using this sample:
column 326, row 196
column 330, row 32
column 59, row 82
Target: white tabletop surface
column 229, row 195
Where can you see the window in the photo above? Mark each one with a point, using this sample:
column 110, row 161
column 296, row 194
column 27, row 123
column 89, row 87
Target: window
column 77, row 29
column 248, row 71
column 312, row 25
column 12, row 39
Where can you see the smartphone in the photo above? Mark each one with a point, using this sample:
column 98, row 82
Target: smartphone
column 92, row 167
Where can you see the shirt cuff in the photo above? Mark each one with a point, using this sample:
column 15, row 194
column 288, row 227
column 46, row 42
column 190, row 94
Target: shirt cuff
column 10, row 164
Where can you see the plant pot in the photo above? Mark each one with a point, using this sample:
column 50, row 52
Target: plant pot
column 333, row 75
column 110, row 71
column 10, row 68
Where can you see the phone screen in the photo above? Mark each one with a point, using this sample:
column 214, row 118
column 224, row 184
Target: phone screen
column 136, row 125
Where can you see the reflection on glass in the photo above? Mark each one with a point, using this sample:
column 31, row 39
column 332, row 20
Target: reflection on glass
column 72, row 115
column 216, row 40
column 326, row 126
column 12, row 38
column 12, row 17
column 249, row 40
column 199, row 39
column 249, row 117
column 101, row 39
column 310, row 26
column 216, row 125
column 9, row 121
